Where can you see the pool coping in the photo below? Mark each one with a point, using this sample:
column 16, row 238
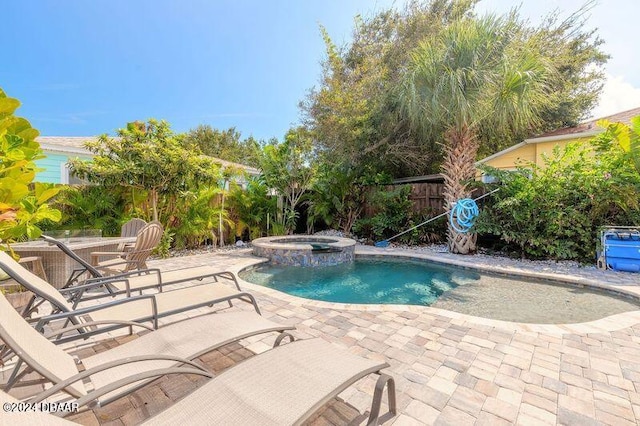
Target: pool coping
column 606, row 324
column 275, row 242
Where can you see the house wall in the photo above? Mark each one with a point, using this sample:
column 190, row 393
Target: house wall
column 546, row 148
column 532, row 152
column 53, row 165
column 508, row 160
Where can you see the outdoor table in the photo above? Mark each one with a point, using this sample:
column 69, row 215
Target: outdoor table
column 57, row 265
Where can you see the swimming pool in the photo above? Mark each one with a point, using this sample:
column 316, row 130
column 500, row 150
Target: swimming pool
column 372, row 280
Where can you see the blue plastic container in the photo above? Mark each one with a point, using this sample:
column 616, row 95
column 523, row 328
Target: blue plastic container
column 622, row 251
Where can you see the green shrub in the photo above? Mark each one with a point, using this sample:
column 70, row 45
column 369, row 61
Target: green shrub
column 164, row 247
column 253, row 209
column 393, row 214
column 555, row 211
column 196, row 217
column 92, row 207
column 336, row 198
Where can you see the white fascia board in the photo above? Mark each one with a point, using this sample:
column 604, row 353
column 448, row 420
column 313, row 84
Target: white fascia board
column 65, row 149
column 565, row 137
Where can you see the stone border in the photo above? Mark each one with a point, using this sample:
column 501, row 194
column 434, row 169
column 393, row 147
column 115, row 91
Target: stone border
column 283, row 250
column 607, row 324
column 552, row 278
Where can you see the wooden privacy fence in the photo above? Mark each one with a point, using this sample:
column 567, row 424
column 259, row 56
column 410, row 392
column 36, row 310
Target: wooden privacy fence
column 424, row 196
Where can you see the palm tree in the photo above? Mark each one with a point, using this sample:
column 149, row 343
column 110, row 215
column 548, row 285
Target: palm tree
column 477, row 75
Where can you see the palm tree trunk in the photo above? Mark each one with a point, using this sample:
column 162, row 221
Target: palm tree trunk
column 459, row 168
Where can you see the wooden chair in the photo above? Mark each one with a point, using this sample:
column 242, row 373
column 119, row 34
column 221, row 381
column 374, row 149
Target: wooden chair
column 130, row 229
column 147, row 239
column 34, row 265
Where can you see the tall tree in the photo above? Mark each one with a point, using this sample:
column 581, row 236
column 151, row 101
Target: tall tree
column 286, row 167
column 224, row 144
column 473, row 75
column 356, row 117
column 148, row 157
column 353, row 112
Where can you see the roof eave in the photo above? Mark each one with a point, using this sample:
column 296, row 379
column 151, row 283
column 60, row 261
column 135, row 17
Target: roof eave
column 65, row 149
column 585, row 134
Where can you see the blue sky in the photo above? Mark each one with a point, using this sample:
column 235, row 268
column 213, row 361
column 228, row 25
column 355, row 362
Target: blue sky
column 83, row 68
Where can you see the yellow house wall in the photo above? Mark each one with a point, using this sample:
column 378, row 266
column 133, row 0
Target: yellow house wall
column 547, row 148
column 531, row 152
column 509, row 159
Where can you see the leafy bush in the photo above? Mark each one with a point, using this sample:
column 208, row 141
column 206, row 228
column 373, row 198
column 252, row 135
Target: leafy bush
column 286, row 169
column 196, row 217
column 91, row 207
column 393, row 214
column 23, row 205
column 554, row 211
column 253, row 209
column 336, row 198
column 148, row 158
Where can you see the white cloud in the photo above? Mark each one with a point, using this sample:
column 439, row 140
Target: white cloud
column 617, row 95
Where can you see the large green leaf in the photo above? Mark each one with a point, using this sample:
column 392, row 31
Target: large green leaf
column 15, row 189
column 18, row 150
column 46, row 212
column 8, row 105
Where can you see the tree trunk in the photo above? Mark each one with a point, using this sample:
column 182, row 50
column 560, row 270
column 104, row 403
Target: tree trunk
column 459, row 168
column 220, row 227
column 154, row 203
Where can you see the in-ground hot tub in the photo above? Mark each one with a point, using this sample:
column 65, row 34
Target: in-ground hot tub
column 305, row 250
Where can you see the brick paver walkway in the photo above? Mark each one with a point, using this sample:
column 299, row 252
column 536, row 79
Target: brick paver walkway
column 449, row 368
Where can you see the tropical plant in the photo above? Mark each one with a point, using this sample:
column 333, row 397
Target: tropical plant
column 92, row 207
column 148, row 157
column 200, row 213
column 356, row 118
column 22, row 207
column 392, row 215
column 555, row 210
column 252, row 208
column 471, row 76
column 338, row 195
column 286, row 168
column 628, row 137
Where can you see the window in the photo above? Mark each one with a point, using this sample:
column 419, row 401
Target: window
column 67, row 178
column 486, row 178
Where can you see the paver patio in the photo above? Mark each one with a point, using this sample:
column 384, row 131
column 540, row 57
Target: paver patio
column 449, row 368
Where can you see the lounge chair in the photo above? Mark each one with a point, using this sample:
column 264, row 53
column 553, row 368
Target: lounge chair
column 137, row 280
column 135, row 258
column 148, row 307
column 284, row 386
column 128, row 366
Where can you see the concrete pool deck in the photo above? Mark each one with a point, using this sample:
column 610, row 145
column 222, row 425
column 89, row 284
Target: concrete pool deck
column 449, row 368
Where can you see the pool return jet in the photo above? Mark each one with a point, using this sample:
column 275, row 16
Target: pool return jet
column 461, row 215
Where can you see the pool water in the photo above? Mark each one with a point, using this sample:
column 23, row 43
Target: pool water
column 413, row 282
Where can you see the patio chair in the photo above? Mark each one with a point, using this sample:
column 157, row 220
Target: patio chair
column 284, row 386
column 142, row 308
column 130, row 365
column 130, row 229
column 135, row 258
column 137, row 280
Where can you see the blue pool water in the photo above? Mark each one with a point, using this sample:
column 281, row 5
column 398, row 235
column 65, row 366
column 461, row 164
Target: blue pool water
column 414, row 282
column 364, row 281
